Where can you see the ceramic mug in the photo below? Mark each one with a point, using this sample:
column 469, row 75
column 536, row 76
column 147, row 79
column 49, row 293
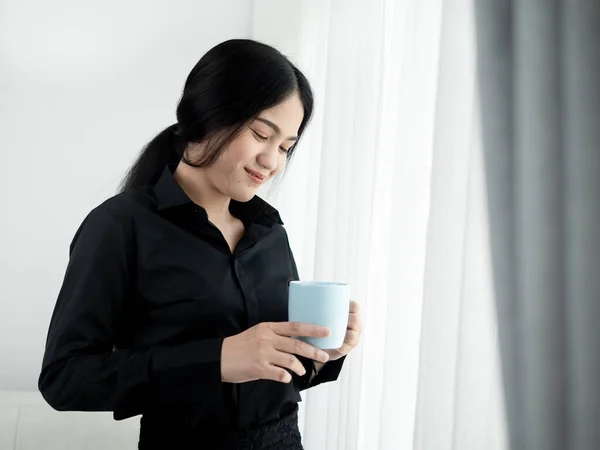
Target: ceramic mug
column 321, row 303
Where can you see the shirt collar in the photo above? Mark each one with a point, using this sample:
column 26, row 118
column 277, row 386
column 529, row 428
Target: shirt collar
column 169, row 194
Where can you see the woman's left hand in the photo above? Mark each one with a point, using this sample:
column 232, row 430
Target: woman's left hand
column 353, row 333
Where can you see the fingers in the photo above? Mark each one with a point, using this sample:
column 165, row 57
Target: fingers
column 352, row 338
column 299, row 329
column 354, row 322
column 276, row 374
column 298, row 347
column 354, row 307
column 287, row 361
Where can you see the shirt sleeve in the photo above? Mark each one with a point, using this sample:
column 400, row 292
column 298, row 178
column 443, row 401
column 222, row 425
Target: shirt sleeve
column 83, row 369
column 330, row 370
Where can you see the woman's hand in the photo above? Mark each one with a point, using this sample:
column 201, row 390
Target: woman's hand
column 266, row 350
column 353, row 333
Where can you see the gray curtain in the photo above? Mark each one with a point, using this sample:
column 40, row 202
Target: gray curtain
column 539, row 73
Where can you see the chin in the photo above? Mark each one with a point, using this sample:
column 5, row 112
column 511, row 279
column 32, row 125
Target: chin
column 243, row 195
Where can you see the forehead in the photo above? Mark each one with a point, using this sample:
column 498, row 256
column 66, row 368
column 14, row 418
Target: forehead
column 287, row 115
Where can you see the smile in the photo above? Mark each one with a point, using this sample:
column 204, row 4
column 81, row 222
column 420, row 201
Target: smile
column 255, row 176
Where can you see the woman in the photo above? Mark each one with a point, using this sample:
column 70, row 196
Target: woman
column 174, row 302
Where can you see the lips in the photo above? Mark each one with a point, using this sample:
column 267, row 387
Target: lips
column 255, row 176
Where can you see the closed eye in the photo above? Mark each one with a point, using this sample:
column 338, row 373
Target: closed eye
column 259, row 136
column 262, row 138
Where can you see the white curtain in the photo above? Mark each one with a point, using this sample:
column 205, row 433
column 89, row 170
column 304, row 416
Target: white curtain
column 386, row 192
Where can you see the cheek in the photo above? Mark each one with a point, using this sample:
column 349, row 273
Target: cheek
column 243, row 149
column 234, row 157
column 223, row 166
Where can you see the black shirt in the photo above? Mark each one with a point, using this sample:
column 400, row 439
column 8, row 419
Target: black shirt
column 150, row 292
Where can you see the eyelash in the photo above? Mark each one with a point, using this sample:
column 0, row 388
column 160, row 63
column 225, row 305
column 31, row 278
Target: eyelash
column 261, row 138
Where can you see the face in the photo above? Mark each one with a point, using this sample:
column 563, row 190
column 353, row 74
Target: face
column 258, row 153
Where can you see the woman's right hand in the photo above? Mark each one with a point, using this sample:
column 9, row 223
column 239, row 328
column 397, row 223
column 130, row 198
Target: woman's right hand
column 267, row 349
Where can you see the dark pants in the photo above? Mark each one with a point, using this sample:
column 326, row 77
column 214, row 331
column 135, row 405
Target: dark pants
column 280, row 435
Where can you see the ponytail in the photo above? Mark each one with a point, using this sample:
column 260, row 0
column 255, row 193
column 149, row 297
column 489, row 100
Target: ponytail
column 166, row 148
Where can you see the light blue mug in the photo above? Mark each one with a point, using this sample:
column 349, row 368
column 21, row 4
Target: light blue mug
column 321, row 303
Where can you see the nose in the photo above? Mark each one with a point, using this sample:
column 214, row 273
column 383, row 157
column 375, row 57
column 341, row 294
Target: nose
column 268, row 158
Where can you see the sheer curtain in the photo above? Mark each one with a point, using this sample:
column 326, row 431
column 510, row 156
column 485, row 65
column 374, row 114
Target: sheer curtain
column 386, row 192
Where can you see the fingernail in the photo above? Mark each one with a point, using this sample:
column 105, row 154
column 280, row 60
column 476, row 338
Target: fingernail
column 324, row 356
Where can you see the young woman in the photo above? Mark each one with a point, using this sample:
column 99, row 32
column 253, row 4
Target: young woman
column 174, row 302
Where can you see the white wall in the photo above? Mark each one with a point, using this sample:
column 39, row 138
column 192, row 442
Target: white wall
column 83, row 85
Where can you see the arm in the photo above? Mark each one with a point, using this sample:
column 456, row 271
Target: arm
column 82, row 369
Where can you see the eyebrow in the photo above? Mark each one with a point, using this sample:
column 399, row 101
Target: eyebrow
column 276, row 128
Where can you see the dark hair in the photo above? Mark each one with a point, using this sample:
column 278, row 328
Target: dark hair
column 228, row 88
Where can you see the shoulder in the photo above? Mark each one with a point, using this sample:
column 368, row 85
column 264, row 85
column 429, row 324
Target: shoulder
column 127, row 205
column 282, row 238
column 123, row 208
column 118, row 213
column 279, row 229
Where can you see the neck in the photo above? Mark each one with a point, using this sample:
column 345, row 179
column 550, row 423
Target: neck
column 202, row 192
